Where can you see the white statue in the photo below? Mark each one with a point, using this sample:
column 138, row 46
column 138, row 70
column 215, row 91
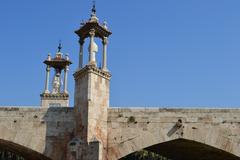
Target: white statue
column 56, row 85
column 93, row 47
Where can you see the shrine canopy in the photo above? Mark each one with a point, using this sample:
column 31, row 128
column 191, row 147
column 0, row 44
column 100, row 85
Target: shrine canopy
column 101, row 30
column 58, row 62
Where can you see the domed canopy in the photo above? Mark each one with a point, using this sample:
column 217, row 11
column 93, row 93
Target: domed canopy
column 101, row 30
column 58, row 62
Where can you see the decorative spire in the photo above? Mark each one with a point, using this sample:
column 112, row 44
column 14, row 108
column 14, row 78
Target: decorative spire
column 94, row 8
column 82, row 23
column 93, row 14
column 59, row 46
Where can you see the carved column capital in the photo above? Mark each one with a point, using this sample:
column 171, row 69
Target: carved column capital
column 48, row 68
column 105, row 41
column 81, row 41
column 66, row 68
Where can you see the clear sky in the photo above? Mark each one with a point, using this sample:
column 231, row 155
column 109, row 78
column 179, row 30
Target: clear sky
column 161, row 52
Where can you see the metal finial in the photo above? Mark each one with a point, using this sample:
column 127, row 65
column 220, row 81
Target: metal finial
column 82, row 23
column 60, row 46
column 94, row 7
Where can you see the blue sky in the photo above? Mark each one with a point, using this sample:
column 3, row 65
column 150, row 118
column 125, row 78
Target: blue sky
column 161, row 53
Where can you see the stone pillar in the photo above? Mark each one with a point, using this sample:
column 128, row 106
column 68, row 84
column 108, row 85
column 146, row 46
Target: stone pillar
column 91, row 105
column 47, row 79
column 92, row 48
column 104, row 63
column 65, row 79
column 81, row 42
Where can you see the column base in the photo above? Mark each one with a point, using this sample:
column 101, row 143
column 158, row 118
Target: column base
column 104, row 69
column 46, row 92
column 54, row 100
column 92, row 63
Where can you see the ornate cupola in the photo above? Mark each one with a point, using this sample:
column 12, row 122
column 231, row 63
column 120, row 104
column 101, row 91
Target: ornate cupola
column 58, row 96
column 92, row 28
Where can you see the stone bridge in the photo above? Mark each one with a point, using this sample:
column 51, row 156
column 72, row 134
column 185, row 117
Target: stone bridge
column 92, row 130
column 203, row 134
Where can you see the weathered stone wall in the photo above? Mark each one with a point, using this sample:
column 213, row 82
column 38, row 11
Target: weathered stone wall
column 46, row 131
column 130, row 130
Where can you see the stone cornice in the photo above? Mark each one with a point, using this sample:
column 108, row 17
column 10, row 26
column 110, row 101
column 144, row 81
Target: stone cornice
column 92, row 69
column 58, row 96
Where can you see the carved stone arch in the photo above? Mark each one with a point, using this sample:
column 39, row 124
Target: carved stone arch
column 26, row 153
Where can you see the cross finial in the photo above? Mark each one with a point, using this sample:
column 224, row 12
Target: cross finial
column 60, row 46
column 94, row 7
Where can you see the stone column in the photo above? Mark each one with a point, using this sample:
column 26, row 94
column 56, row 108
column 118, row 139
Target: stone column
column 81, row 42
column 104, row 62
column 92, row 48
column 65, row 79
column 47, row 79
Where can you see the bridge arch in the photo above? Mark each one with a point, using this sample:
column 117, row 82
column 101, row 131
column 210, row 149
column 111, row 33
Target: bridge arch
column 26, row 153
column 188, row 150
column 224, row 148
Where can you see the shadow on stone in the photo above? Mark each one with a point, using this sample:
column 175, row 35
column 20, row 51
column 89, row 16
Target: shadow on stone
column 190, row 150
column 13, row 151
column 60, row 124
